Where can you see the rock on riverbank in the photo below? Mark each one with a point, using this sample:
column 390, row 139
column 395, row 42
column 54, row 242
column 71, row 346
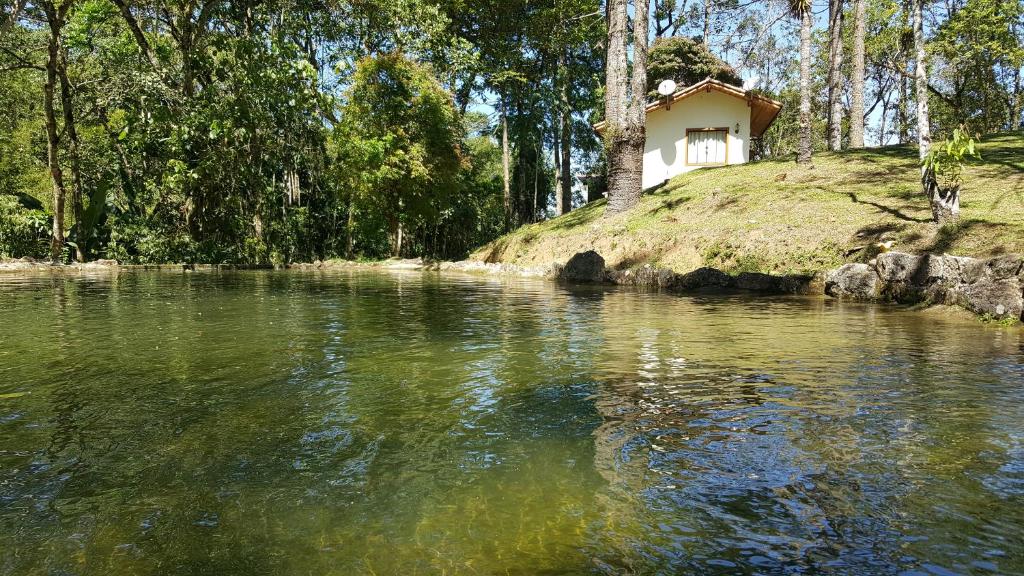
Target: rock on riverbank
column 992, row 287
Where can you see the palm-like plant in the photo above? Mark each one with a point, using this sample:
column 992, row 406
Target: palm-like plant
column 801, row 9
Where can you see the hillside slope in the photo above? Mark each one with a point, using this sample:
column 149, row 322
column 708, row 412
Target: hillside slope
column 777, row 217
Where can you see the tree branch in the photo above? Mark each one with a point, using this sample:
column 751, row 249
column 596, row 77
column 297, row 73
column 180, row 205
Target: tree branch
column 894, row 68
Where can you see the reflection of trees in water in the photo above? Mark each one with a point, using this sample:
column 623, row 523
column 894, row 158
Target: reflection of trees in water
column 403, row 423
column 745, row 437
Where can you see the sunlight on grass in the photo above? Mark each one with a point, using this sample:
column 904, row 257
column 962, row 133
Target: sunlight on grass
column 775, row 216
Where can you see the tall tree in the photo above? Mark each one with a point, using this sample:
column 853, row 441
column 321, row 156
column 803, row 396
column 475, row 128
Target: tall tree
column 801, row 9
column 924, row 136
column 707, row 23
column 564, row 138
column 835, row 74
column 55, row 14
column 625, row 105
column 857, row 79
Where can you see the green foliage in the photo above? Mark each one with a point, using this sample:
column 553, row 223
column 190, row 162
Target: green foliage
column 687, row 61
column 978, row 54
column 401, row 129
column 23, row 231
column 946, row 159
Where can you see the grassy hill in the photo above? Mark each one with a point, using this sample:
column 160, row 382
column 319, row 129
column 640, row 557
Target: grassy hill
column 777, row 217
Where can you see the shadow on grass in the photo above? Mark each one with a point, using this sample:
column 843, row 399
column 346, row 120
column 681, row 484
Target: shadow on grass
column 947, row 236
column 879, row 232
column 1009, row 152
column 581, row 216
column 887, row 209
column 669, row 204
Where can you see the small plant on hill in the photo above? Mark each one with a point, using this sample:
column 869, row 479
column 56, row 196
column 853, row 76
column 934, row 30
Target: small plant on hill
column 943, row 174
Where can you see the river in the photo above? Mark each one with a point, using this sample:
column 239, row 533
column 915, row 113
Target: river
column 371, row 422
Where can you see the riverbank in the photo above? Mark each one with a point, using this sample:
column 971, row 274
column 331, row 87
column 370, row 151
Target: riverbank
column 992, row 289
column 776, row 217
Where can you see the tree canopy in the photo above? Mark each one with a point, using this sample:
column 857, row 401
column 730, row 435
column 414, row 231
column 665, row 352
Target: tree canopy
column 282, row 130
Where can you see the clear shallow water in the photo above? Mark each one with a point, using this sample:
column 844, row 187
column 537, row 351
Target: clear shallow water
column 291, row 423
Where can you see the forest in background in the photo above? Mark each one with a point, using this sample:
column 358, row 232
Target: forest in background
column 281, row 131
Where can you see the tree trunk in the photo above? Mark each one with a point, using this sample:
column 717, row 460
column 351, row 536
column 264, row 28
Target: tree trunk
column 924, row 138
column 627, row 130
column 803, row 155
column 350, row 225
column 78, row 209
column 565, row 176
column 835, row 75
column 535, row 215
column 857, row 87
column 903, row 111
column 395, row 233
column 505, row 176
column 52, row 136
column 707, row 22
column 1018, row 102
column 945, row 202
column 556, row 156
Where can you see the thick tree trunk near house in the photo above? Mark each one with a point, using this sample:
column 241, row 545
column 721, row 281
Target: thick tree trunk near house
column 835, row 75
column 857, row 80
column 625, row 113
column 805, row 145
column 77, row 206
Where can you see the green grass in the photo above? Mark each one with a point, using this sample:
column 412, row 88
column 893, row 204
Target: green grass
column 774, row 216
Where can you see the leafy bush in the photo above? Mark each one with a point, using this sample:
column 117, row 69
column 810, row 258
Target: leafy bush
column 23, row 231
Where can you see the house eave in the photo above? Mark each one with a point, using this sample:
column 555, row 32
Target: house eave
column 769, row 108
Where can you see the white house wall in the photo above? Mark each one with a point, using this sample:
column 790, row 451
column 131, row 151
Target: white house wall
column 665, row 152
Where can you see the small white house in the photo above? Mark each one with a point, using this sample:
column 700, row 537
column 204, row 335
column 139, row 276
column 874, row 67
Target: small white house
column 710, row 123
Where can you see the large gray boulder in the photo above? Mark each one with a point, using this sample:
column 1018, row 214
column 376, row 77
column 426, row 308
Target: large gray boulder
column 993, row 287
column 855, row 281
column 584, row 267
column 994, row 298
column 911, row 277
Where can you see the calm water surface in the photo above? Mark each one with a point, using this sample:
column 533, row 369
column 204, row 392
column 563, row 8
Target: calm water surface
column 372, row 423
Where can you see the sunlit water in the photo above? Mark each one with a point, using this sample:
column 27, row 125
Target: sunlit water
column 304, row 423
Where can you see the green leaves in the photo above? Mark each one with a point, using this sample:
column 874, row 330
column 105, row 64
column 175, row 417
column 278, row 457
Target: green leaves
column 946, row 159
